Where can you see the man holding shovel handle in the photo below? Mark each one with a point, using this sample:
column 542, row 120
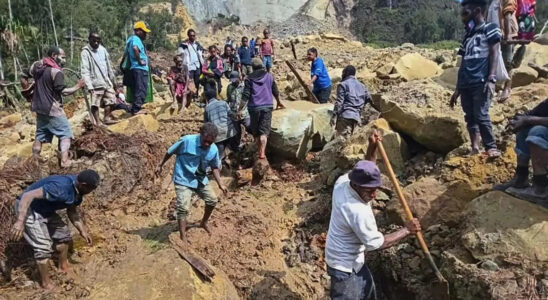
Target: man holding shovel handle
column 353, row 230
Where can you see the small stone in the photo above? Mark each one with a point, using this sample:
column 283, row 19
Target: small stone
column 489, row 265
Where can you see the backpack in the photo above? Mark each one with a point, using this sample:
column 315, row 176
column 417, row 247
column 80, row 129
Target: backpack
column 525, row 14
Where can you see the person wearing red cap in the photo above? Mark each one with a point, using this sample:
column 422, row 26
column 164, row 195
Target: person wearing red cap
column 353, row 230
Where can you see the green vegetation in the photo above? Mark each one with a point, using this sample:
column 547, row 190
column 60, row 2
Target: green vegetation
column 27, row 35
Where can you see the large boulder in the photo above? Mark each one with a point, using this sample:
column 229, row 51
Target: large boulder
column 299, row 128
column 135, row 124
column 432, row 202
column 448, row 78
column 414, row 66
column 340, row 155
column 535, row 53
column 523, row 75
column 420, row 110
column 335, row 75
column 501, row 227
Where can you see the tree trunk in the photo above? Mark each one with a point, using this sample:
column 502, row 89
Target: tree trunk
column 1, row 67
column 71, row 41
column 53, row 24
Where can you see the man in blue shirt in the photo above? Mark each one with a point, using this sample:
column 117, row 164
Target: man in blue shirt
column 477, row 74
column 194, row 154
column 38, row 221
column 136, row 52
column 246, row 53
column 319, row 78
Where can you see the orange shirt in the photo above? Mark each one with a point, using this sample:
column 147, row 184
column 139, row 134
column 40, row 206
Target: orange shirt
column 508, row 7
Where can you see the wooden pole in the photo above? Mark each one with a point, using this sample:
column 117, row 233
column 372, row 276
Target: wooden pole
column 309, row 93
column 53, row 24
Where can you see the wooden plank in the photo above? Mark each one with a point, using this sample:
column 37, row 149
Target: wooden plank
column 309, row 93
column 199, row 264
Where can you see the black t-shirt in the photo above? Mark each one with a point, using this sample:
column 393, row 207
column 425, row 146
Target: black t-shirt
column 48, row 89
column 540, row 110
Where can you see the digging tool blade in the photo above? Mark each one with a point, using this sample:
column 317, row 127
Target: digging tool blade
column 199, row 264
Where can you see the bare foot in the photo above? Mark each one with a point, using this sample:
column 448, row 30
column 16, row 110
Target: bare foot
column 64, row 268
column 184, row 240
column 48, row 286
column 141, row 112
column 66, row 164
column 110, row 121
column 199, row 225
column 475, row 151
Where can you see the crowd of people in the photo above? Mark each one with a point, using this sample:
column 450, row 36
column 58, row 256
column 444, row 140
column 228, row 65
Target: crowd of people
column 251, row 93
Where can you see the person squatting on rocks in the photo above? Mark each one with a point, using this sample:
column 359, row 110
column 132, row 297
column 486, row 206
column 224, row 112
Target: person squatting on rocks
column 266, row 50
column 194, row 60
column 194, row 155
column 531, row 145
column 319, row 78
column 509, row 28
column 240, row 115
column 178, row 81
column 353, row 230
column 219, row 113
column 352, row 96
column 47, row 103
column 137, row 80
column 259, row 90
column 212, row 70
column 246, row 53
column 476, row 76
column 44, row 230
column 231, row 61
column 99, row 77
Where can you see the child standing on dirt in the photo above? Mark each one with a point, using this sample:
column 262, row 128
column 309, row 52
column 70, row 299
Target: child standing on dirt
column 178, row 81
column 266, row 50
column 195, row 153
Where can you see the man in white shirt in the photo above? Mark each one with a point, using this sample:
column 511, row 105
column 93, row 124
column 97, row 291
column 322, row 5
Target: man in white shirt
column 194, row 58
column 353, row 230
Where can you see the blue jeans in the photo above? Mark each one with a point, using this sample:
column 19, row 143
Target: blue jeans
column 352, row 286
column 322, row 94
column 475, row 104
column 267, row 61
column 537, row 135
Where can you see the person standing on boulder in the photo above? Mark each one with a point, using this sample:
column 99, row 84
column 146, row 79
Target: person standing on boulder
column 139, row 67
column 351, row 98
column 194, row 155
column 194, row 59
column 353, row 230
column 99, row 77
column 47, row 103
column 37, row 219
column 476, row 77
column 531, row 145
column 509, row 27
column 266, row 50
column 259, row 90
column 319, row 78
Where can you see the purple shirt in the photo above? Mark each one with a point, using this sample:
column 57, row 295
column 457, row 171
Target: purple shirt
column 259, row 89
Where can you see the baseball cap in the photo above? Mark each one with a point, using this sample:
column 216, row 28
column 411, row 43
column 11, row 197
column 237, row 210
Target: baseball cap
column 141, row 25
column 256, row 63
column 365, row 174
column 234, row 76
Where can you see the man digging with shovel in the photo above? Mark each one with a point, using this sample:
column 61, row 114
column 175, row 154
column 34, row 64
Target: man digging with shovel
column 353, row 230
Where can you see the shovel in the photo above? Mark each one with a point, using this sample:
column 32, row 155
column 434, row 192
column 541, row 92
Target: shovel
column 440, row 289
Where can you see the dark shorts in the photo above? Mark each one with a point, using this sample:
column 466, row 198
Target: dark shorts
column 47, row 127
column 345, row 126
column 323, row 94
column 261, row 121
column 352, row 286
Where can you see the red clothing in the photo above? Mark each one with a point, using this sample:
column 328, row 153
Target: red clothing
column 267, row 47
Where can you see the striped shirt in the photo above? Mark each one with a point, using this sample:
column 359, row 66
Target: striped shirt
column 474, row 50
column 219, row 113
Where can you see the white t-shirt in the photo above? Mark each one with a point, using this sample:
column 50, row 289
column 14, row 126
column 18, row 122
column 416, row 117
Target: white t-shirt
column 352, row 229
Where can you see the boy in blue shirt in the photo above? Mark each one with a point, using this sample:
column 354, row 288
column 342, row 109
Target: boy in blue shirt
column 138, row 58
column 319, row 78
column 37, row 219
column 194, row 154
column 476, row 77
